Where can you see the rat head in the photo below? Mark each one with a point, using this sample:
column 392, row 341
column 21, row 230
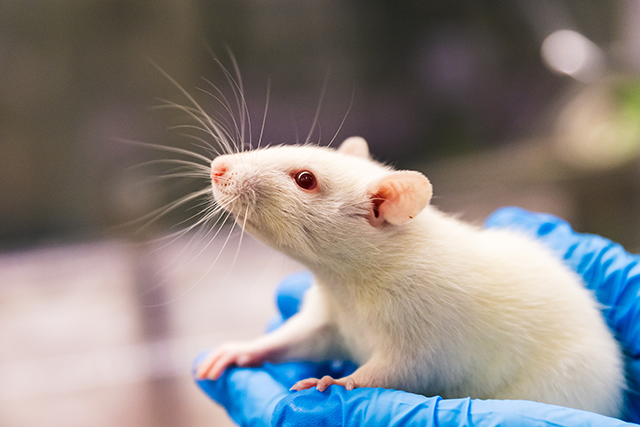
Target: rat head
column 314, row 202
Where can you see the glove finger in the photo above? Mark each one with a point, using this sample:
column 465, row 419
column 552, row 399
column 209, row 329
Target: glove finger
column 375, row 407
column 248, row 394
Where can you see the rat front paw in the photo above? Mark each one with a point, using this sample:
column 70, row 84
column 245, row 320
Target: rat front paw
column 238, row 353
column 323, row 383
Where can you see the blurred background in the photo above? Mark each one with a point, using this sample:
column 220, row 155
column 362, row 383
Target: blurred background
column 528, row 103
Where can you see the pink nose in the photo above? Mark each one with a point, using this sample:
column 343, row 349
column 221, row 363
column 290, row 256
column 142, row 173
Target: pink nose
column 218, row 169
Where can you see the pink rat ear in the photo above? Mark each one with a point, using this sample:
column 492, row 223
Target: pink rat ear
column 399, row 197
column 355, row 146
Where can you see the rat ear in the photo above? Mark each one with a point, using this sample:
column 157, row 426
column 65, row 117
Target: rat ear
column 399, row 197
column 355, row 146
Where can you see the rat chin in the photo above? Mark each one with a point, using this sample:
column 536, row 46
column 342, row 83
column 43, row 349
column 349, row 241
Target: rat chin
column 242, row 222
column 247, row 225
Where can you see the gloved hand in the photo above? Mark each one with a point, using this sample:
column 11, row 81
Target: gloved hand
column 260, row 396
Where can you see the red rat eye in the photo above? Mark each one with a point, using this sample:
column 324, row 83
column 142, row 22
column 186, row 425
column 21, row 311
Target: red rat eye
column 306, row 180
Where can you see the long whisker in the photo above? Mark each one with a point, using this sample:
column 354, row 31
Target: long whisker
column 203, row 276
column 154, row 216
column 191, row 241
column 175, row 175
column 216, row 130
column 184, row 163
column 166, row 148
column 202, row 144
column 215, row 210
column 222, row 219
column 222, row 100
column 169, row 268
column 317, row 115
column 238, row 92
column 173, row 237
column 178, row 234
column 297, row 131
column 235, row 257
column 353, row 92
column 191, row 99
column 266, row 108
column 179, row 172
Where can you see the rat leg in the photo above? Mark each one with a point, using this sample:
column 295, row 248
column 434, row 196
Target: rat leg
column 308, row 335
column 371, row 374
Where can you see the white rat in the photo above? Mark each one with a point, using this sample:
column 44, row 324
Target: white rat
column 421, row 301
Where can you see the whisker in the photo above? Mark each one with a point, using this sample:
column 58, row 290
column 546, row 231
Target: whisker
column 202, row 277
column 192, row 100
column 238, row 92
column 155, row 215
column 166, row 148
column 218, row 127
column 266, row 108
column 222, row 100
column 184, row 163
column 203, row 144
column 353, row 92
column 297, row 131
column 210, row 148
column 178, row 234
column 168, row 268
column 168, row 239
column 192, row 239
column 214, row 211
column 317, row 115
column 177, row 173
column 235, row 257
column 210, row 127
column 164, row 177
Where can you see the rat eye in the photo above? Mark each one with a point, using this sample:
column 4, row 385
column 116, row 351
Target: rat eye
column 306, row 180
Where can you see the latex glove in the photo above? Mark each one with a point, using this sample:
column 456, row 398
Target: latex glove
column 260, row 396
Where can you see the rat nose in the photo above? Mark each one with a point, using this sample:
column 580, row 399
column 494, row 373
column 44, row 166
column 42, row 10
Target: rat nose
column 219, row 168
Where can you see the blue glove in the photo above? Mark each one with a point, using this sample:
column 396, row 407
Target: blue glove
column 260, row 396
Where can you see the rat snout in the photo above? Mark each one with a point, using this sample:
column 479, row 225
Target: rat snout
column 219, row 167
column 231, row 184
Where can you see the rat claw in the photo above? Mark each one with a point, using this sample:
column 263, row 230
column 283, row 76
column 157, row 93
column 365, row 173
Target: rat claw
column 350, row 384
column 243, row 360
column 205, row 366
column 304, row 384
column 325, row 382
column 230, row 354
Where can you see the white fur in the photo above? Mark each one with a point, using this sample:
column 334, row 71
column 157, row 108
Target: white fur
column 433, row 305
